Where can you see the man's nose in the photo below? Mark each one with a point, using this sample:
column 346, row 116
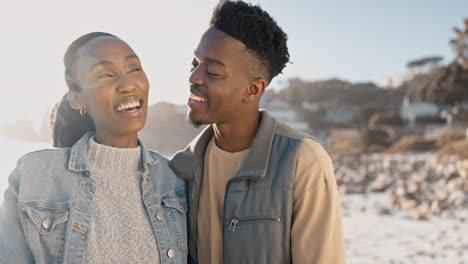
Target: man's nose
column 196, row 76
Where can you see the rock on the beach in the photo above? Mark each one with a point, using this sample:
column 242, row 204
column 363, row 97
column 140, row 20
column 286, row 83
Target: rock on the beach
column 418, row 183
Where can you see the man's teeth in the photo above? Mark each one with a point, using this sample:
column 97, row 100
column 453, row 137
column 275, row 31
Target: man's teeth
column 197, row 98
column 128, row 105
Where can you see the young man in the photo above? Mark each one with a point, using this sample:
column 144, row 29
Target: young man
column 260, row 192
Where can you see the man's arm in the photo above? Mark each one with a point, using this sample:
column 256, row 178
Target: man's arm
column 317, row 233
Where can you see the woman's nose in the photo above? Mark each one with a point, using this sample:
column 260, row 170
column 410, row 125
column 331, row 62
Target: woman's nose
column 126, row 85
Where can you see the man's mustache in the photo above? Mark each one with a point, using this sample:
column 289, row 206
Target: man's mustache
column 194, row 88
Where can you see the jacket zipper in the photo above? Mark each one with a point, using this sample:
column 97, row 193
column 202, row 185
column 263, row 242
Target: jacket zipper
column 236, row 221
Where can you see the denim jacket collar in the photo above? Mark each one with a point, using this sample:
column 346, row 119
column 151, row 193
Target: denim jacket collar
column 78, row 157
column 255, row 164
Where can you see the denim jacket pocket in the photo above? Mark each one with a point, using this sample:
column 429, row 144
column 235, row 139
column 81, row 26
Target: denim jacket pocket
column 177, row 207
column 45, row 231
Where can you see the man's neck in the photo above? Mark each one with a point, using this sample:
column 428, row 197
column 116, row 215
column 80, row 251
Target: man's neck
column 237, row 135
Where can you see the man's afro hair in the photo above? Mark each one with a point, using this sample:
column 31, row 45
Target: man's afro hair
column 254, row 27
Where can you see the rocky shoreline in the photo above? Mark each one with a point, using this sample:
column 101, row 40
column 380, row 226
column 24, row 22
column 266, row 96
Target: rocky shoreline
column 415, row 182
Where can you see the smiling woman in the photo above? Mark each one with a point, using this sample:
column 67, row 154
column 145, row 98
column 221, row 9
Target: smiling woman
column 106, row 81
column 98, row 198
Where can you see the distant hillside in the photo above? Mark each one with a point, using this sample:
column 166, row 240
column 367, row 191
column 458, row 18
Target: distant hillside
column 336, row 92
column 166, row 129
column 20, row 130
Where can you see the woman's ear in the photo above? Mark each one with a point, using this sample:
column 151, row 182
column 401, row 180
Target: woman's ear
column 76, row 100
column 255, row 90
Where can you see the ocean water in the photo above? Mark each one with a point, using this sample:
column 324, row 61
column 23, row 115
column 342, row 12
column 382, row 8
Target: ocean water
column 10, row 152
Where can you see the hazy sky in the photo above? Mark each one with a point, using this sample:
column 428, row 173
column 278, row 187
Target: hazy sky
column 360, row 40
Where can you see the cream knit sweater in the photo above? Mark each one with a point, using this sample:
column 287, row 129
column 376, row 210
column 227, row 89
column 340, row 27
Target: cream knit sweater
column 120, row 231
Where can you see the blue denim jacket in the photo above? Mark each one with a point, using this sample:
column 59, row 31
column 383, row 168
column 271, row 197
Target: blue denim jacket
column 46, row 210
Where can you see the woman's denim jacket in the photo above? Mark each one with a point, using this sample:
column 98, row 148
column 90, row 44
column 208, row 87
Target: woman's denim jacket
column 46, row 210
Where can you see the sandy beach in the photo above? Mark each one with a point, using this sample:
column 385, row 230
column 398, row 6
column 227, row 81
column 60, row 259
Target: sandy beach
column 376, row 235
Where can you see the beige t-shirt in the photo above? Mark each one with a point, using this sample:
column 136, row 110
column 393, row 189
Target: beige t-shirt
column 316, row 232
column 220, row 166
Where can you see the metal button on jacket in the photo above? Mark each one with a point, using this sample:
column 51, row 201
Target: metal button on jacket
column 46, row 223
column 159, row 216
column 171, row 253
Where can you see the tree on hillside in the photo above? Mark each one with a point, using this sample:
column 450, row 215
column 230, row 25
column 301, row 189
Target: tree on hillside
column 460, row 44
column 446, row 85
column 421, row 63
column 449, row 85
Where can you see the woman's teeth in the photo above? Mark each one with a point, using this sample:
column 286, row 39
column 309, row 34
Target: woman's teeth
column 197, row 98
column 128, row 105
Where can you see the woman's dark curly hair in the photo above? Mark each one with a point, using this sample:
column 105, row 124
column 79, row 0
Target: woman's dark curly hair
column 259, row 32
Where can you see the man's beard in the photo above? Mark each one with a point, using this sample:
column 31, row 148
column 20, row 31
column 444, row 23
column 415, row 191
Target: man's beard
column 193, row 123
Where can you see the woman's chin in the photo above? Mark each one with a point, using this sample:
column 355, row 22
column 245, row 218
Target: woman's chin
column 129, row 128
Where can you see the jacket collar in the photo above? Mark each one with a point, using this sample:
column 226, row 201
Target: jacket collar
column 183, row 162
column 79, row 152
column 255, row 164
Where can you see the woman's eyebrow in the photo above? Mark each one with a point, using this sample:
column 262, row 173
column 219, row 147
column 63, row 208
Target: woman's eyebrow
column 131, row 56
column 99, row 63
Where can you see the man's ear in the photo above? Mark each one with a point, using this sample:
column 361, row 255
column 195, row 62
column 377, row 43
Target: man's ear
column 255, row 90
column 76, row 100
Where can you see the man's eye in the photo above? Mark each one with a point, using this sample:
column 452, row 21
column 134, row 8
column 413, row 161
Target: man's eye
column 135, row 70
column 194, row 65
column 213, row 74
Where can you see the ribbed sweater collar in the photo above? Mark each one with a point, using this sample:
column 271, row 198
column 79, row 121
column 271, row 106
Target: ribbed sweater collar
column 113, row 159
